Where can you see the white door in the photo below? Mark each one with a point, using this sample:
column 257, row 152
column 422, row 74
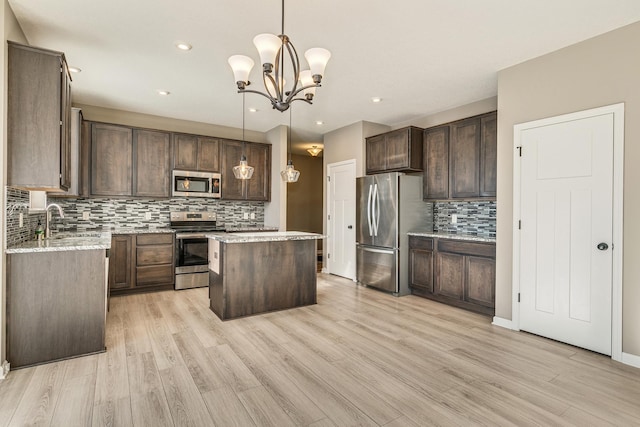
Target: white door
column 566, row 196
column 341, row 219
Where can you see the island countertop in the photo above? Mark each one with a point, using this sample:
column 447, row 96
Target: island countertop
column 268, row 236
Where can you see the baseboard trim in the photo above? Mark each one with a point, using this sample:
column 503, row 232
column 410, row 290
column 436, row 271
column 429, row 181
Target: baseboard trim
column 631, row 360
column 503, row 323
column 4, row 370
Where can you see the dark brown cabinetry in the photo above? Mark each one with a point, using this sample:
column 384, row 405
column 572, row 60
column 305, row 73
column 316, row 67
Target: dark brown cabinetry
column 152, row 163
column 459, row 273
column 398, row 150
column 460, row 159
column 38, row 119
column 258, row 156
column 141, row 262
column 197, row 153
column 129, row 162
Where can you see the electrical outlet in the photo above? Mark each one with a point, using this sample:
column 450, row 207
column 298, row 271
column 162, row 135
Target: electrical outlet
column 454, row 219
column 246, row 215
column 85, row 215
column 21, row 220
column 253, row 215
column 147, row 215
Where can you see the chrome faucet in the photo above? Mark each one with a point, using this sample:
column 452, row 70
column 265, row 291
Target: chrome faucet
column 47, row 230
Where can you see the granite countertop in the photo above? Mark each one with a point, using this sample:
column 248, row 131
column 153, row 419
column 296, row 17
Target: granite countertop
column 64, row 242
column 132, row 230
column 261, row 236
column 440, row 235
column 242, row 229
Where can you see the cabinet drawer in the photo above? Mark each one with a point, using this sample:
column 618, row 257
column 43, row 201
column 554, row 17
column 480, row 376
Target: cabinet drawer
column 425, row 243
column 155, row 275
column 468, row 248
column 153, row 255
column 155, row 239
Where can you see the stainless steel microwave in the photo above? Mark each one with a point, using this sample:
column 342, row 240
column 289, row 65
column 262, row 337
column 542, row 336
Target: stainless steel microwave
column 195, row 184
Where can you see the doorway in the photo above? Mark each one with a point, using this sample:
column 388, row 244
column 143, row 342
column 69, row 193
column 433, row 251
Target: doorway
column 341, row 219
column 568, row 210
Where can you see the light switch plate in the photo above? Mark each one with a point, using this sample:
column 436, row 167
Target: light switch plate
column 454, row 219
column 21, row 220
column 85, row 215
column 147, row 215
column 246, row 215
column 253, row 215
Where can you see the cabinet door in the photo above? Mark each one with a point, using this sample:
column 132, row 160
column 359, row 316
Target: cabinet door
column 111, row 160
column 231, row 188
column 480, row 281
column 208, row 154
column 449, row 275
column 259, row 186
column 376, row 154
column 421, row 269
column 436, row 163
column 397, row 149
column 185, row 152
column 65, row 128
column 465, row 159
column 488, row 155
column 120, row 262
column 152, row 163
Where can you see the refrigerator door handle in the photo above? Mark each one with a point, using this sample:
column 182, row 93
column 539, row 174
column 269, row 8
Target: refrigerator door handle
column 369, row 219
column 376, row 209
column 378, row 251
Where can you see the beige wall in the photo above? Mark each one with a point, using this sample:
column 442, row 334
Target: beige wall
column 12, row 31
column 601, row 71
column 304, row 198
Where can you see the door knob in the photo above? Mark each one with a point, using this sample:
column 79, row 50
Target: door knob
column 602, row 246
column 349, row 227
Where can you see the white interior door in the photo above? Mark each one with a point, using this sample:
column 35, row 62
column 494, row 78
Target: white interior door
column 566, row 237
column 341, row 219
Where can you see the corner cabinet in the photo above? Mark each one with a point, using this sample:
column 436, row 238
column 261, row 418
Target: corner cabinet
column 399, row 150
column 455, row 272
column 258, row 155
column 460, row 159
column 38, row 119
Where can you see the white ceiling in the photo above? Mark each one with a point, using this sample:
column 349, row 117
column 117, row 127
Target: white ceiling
column 419, row 56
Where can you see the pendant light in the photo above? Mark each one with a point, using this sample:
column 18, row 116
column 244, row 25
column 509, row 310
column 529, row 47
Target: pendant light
column 243, row 170
column 289, row 174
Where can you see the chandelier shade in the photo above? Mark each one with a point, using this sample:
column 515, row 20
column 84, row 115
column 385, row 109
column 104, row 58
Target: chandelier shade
column 278, row 57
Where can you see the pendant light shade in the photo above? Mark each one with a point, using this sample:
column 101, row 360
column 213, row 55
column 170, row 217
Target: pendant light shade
column 290, row 174
column 243, row 170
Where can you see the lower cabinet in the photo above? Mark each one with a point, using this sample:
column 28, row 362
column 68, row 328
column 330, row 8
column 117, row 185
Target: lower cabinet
column 456, row 272
column 141, row 262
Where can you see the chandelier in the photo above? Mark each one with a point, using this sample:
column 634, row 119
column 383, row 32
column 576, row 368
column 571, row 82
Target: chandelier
column 273, row 50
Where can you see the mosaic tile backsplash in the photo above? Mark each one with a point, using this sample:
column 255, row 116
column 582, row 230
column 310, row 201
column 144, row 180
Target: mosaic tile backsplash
column 477, row 218
column 106, row 213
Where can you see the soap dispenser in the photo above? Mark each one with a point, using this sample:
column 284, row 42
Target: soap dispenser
column 39, row 231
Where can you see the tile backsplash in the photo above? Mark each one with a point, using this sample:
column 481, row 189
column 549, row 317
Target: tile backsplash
column 107, row 213
column 476, row 217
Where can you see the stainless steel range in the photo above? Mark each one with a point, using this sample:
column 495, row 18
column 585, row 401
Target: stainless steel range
column 192, row 247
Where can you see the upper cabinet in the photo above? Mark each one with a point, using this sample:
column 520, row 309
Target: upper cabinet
column 129, row 162
column 460, row 159
column 259, row 156
column 398, row 150
column 196, row 153
column 38, row 119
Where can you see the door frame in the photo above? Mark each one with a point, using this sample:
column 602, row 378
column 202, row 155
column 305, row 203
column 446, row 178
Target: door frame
column 617, row 230
column 352, row 162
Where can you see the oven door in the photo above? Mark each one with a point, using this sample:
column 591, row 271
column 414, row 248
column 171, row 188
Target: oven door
column 191, row 254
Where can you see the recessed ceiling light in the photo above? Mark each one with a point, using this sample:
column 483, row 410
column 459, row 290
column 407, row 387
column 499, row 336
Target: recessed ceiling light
column 319, row 122
column 163, row 92
column 74, row 69
column 376, row 99
column 183, row 46
column 253, row 110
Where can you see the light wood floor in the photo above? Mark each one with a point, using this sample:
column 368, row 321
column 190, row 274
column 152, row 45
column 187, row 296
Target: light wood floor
column 358, row 357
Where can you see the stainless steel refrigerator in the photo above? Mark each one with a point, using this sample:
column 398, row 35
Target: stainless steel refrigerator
column 388, row 206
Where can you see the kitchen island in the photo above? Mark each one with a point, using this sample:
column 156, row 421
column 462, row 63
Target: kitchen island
column 252, row 273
